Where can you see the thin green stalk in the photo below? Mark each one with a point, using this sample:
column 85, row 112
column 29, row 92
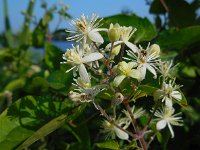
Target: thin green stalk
column 24, row 38
column 8, row 30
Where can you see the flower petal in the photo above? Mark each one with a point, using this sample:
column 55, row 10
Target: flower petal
column 168, row 102
column 158, row 94
column 152, row 70
column 132, row 46
column 121, row 134
column 83, row 73
column 92, row 57
column 161, row 124
column 142, row 70
column 176, row 95
column 118, row 79
column 95, row 36
column 108, row 47
column 134, row 74
column 132, row 64
column 170, row 129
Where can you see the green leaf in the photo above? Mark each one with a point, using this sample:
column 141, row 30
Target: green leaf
column 149, row 90
column 181, row 39
column 12, row 133
column 43, row 131
column 138, row 94
column 157, row 8
column 19, row 120
column 15, row 84
column 60, row 79
column 183, row 101
column 145, row 29
column 176, row 15
column 109, row 144
column 53, row 56
column 39, row 34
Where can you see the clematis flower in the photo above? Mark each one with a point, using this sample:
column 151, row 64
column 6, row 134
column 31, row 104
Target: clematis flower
column 125, row 35
column 124, row 70
column 166, row 117
column 86, row 29
column 84, row 91
column 168, row 93
column 77, row 58
column 112, row 131
column 167, row 69
column 146, row 59
column 136, row 113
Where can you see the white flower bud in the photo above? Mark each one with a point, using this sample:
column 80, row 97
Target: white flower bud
column 154, row 49
column 115, row 50
column 114, row 32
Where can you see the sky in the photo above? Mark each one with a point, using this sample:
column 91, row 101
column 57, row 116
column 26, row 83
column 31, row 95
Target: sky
column 102, row 8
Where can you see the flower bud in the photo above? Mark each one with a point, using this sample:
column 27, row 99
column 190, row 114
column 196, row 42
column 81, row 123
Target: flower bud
column 115, row 50
column 117, row 99
column 114, row 32
column 154, row 49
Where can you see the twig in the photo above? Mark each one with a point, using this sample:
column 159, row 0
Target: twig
column 167, row 10
column 151, row 139
column 136, row 128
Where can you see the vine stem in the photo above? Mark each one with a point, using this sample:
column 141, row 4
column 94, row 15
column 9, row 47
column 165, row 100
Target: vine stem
column 136, row 128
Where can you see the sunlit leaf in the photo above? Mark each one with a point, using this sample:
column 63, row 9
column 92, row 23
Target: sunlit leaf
column 43, row 131
column 15, row 84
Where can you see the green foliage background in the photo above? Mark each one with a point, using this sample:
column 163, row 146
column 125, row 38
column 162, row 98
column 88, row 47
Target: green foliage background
column 35, row 110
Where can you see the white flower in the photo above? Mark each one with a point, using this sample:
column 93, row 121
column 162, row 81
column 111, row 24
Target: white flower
column 125, row 35
column 168, row 93
column 166, row 69
column 146, row 59
column 166, row 118
column 84, row 91
column 124, row 70
column 86, row 29
column 112, row 131
column 136, row 113
column 77, row 58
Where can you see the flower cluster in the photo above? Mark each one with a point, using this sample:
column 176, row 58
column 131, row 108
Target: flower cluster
column 120, row 61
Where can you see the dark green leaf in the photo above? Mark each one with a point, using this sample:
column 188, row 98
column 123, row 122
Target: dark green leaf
column 183, row 38
column 157, row 8
column 109, row 144
column 149, row 90
column 53, row 56
column 60, row 79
